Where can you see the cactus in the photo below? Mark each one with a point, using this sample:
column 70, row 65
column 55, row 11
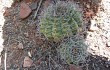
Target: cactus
column 73, row 50
column 59, row 21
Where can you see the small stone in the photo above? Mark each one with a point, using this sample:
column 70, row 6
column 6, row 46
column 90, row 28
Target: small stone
column 24, row 10
column 20, row 46
column 73, row 67
column 93, row 26
column 14, row 18
column 80, row 29
column 88, row 6
column 27, row 62
column 33, row 6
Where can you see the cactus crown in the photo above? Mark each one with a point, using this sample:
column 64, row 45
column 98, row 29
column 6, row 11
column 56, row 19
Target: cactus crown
column 60, row 20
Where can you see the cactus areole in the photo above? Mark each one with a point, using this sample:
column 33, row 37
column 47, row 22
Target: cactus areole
column 60, row 20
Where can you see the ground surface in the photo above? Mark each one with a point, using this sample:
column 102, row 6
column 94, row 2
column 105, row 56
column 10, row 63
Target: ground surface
column 22, row 40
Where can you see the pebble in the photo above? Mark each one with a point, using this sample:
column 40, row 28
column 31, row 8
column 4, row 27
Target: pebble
column 88, row 6
column 24, row 10
column 27, row 62
column 20, row 46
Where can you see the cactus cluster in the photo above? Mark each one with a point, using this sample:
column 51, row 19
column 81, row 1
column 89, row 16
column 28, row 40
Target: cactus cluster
column 60, row 20
column 73, row 50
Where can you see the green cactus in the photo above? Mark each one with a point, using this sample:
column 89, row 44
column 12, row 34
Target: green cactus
column 73, row 50
column 59, row 21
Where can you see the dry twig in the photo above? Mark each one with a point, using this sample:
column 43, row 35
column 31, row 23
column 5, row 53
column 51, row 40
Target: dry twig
column 5, row 60
column 37, row 9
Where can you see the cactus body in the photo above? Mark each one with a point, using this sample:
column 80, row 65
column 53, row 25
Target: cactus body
column 73, row 51
column 59, row 21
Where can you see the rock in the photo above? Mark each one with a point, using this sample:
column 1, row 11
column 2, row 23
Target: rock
column 20, row 46
column 27, row 62
column 93, row 26
column 33, row 6
column 24, row 10
column 73, row 67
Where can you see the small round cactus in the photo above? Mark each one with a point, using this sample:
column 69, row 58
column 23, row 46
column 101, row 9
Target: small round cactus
column 60, row 20
column 73, row 50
